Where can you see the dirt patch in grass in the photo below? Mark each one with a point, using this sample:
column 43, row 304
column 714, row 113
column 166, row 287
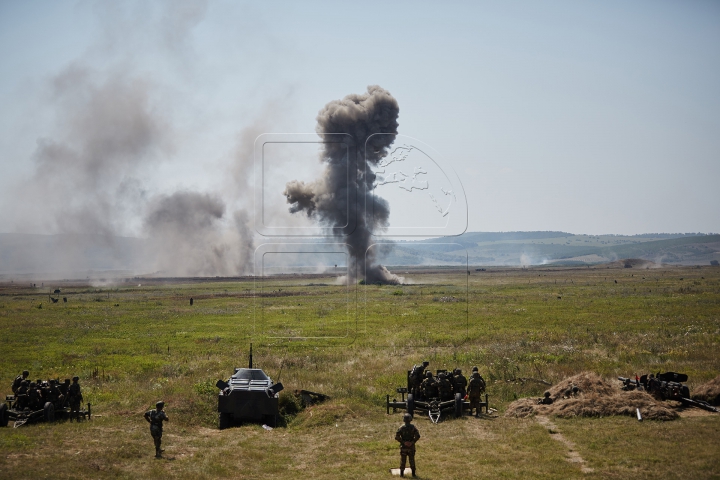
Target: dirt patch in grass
column 596, row 398
column 709, row 392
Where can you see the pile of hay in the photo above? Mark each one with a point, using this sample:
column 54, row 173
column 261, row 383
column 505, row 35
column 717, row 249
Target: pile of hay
column 709, row 392
column 597, row 398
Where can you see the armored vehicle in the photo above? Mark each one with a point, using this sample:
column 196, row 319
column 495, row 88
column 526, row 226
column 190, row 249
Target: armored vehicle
column 248, row 396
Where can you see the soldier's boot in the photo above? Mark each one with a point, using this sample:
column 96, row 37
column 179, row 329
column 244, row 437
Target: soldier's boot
column 413, row 473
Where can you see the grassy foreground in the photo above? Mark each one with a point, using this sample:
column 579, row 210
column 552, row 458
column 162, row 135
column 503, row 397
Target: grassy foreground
column 138, row 341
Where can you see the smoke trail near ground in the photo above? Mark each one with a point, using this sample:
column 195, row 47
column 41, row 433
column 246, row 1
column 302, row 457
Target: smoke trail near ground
column 352, row 179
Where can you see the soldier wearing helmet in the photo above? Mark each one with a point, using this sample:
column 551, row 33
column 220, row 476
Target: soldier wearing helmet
column 407, row 435
column 75, row 398
column 445, row 387
column 21, row 398
column 429, row 386
column 18, row 380
column 156, row 418
column 476, row 387
column 546, row 400
column 460, row 382
column 416, row 377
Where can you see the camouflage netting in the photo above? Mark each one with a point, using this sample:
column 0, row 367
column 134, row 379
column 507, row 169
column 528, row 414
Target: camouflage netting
column 709, row 392
column 597, row 398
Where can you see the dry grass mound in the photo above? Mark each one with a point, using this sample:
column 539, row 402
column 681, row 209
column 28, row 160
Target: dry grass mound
column 597, row 398
column 709, row 392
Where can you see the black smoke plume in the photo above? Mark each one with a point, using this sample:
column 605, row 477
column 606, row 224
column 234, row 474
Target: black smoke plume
column 350, row 181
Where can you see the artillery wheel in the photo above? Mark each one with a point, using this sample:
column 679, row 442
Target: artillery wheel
column 4, row 416
column 49, row 412
column 411, row 404
column 225, row 420
column 458, row 405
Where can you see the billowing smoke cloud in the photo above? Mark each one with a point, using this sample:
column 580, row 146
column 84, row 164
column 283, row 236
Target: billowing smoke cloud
column 86, row 179
column 95, row 167
column 189, row 236
column 326, row 199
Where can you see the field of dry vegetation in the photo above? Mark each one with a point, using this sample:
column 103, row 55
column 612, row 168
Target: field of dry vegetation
column 137, row 341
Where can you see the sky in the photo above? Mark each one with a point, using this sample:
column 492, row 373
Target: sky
column 585, row 117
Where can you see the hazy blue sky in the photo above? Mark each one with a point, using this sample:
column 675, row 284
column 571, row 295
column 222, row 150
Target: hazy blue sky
column 587, row 117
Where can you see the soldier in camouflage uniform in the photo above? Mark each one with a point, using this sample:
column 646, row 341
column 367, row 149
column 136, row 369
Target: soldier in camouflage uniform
column 21, row 397
column 416, row 376
column 18, row 380
column 75, row 398
column 429, row 387
column 475, row 389
column 156, row 418
column 460, row 382
column 444, row 386
column 546, row 400
column 33, row 396
column 407, row 435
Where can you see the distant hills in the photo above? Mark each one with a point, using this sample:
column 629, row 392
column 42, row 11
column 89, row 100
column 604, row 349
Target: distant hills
column 558, row 248
column 81, row 256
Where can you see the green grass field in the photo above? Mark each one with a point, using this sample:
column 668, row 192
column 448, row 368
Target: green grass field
column 139, row 341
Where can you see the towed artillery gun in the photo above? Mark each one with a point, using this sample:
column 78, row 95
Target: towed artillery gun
column 248, row 396
column 433, row 407
column 666, row 386
column 49, row 412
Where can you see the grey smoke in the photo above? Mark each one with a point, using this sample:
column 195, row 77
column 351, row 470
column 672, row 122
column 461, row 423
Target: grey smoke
column 326, row 198
column 189, row 235
column 87, row 177
column 95, row 169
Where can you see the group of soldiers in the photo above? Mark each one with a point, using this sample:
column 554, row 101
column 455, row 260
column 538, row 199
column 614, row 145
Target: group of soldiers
column 33, row 396
column 571, row 392
column 423, row 385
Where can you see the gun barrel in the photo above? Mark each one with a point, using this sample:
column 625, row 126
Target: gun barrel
column 699, row 404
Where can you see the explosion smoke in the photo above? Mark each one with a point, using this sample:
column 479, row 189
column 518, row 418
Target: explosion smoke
column 326, row 199
column 187, row 236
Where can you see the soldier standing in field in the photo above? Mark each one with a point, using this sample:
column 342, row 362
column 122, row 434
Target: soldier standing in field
column 407, row 435
column 75, row 398
column 475, row 389
column 156, row 418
